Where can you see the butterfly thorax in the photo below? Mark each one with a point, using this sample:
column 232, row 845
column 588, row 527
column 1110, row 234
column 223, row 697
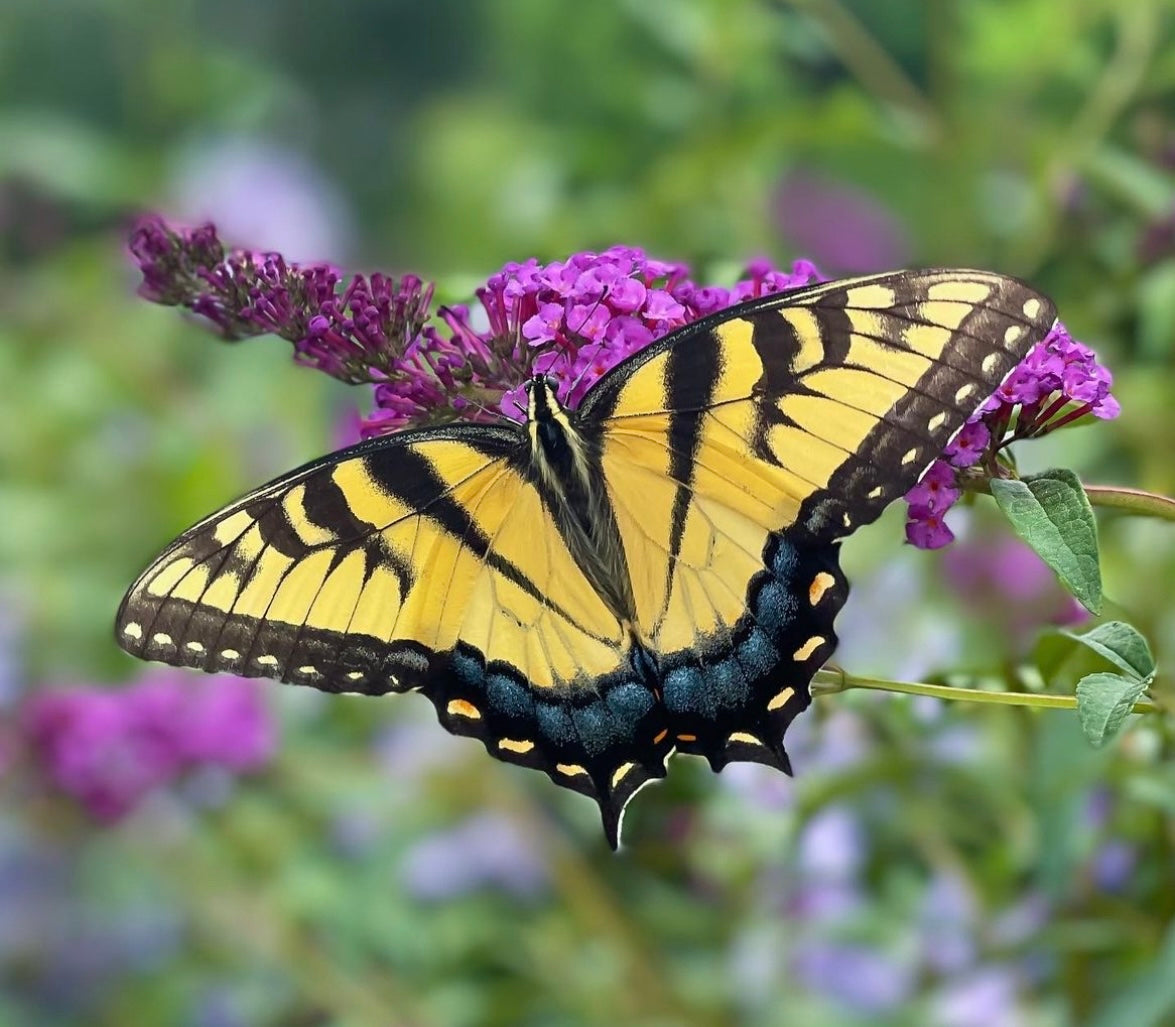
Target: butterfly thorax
column 565, row 464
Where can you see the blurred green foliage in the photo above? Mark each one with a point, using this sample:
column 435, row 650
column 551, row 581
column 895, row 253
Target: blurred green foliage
column 929, row 865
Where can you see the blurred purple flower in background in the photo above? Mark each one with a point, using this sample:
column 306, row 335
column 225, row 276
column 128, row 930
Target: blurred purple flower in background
column 268, row 195
column 1113, row 865
column 831, row 852
column 948, row 918
column 1003, row 579
column 487, row 850
column 108, row 749
column 984, row 998
column 842, row 227
column 869, row 980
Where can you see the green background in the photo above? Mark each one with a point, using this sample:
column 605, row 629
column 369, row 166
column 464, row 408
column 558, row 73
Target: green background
column 929, row 864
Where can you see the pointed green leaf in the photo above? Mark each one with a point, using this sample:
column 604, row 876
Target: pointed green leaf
column 1103, row 701
column 1122, row 645
column 1051, row 512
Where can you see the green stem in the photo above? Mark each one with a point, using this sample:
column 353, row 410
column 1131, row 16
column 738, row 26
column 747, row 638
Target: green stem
column 866, row 59
column 830, row 682
column 1132, row 501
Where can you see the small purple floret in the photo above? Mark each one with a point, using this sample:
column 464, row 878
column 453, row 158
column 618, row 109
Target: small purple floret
column 1059, row 381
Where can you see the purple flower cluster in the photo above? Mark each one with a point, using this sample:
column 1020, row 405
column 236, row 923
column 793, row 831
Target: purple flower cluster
column 1058, row 382
column 108, row 749
column 357, row 334
column 574, row 319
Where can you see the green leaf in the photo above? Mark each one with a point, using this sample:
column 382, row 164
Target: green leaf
column 1122, row 645
column 1051, row 512
column 1103, row 701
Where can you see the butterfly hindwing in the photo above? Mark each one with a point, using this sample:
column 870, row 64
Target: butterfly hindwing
column 428, row 561
column 740, row 449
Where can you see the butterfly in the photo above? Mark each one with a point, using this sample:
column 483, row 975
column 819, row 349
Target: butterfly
column 594, row 589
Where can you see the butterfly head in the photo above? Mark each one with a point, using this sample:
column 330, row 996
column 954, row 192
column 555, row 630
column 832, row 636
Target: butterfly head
column 542, row 391
column 556, row 443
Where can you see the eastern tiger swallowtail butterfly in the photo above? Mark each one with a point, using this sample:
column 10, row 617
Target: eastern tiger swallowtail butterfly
column 595, row 589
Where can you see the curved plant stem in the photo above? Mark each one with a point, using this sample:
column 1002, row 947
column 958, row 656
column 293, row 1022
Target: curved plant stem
column 866, row 59
column 1132, row 501
column 828, row 682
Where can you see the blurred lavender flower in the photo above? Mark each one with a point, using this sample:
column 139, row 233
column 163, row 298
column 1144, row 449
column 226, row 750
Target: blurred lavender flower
column 833, row 743
column 409, row 748
column 12, row 678
column 758, row 785
column 217, row 1006
column 841, row 227
column 956, row 744
column 865, row 979
column 981, row 999
column 1113, row 865
column 1002, row 578
column 830, row 853
column 264, row 193
column 832, row 845
column 487, row 850
column 1013, row 926
column 948, row 920
column 109, row 749
column 1059, row 381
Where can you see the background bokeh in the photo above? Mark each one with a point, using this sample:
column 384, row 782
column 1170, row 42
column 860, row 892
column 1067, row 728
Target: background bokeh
column 352, row 864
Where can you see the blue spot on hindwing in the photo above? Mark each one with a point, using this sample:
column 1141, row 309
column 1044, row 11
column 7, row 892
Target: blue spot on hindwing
column 774, row 606
column 508, row 696
column 555, row 723
column 785, row 559
column 684, row 692
column 630, row 702
column 467, row 669
column 597, row 728
column 757, row 654
column 729, row 681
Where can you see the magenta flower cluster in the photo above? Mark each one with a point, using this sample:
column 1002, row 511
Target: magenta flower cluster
column 1058, row 382
column 574, row 320
column 108, row 749
column 357, row 334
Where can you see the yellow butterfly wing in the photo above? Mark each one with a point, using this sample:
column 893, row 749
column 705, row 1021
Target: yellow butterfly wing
column 425, row 560
column 739, row 450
